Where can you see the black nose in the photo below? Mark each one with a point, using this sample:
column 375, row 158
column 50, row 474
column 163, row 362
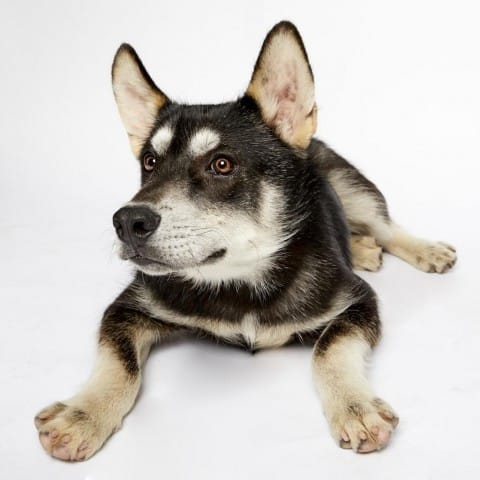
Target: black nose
column 135, row 224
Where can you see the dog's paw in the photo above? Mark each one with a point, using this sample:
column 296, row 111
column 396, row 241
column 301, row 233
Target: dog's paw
column 366, row 254
column 434, row 257
column 364, row 426
column 70, row 433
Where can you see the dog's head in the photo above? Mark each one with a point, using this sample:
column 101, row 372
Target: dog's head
column 218, row 199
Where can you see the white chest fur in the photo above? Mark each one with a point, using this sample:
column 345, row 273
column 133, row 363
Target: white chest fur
column 256, row 335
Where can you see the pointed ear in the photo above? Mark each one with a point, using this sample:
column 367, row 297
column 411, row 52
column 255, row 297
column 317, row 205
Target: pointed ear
column 282, row 86
column 138, row 98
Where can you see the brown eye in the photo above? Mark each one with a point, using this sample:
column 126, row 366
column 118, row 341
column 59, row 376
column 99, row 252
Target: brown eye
column 222, row 166
column 149, row 162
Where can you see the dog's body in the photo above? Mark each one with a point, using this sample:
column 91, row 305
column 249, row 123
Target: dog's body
column 245, row 229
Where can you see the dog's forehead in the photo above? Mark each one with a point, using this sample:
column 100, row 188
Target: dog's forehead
column 195, row 129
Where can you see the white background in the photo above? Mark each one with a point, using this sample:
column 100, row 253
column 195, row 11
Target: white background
column 398, row 93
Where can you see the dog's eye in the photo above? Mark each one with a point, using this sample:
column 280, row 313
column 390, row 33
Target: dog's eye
column 149, row 162
column 222, row 166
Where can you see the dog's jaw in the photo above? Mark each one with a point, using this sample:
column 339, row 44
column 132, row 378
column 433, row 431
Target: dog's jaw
column 214, row 247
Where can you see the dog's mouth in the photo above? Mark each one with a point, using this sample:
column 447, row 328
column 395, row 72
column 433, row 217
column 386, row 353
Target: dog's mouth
column 217, row 255
column 144, row 261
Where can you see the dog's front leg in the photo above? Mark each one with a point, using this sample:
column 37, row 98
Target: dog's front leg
column 358, row 419
column 76, row 428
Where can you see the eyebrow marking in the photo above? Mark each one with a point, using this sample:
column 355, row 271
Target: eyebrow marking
column 203, row 141
column 162, row 139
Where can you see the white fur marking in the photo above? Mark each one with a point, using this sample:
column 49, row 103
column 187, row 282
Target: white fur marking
column 203, row 141
column 249, row 329
column 162, row 139
column 250, row 244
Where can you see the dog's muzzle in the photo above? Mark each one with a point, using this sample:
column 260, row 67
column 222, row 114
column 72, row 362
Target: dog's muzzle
column 135, row 224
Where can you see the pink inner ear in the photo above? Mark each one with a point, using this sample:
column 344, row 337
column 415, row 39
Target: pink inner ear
column 288, row 93
column 286, row 110
column 288, row 82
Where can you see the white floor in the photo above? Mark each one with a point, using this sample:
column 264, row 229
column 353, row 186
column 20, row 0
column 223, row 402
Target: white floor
column 409, row 120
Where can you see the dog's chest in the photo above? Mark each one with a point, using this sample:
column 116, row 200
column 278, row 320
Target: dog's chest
column 255, row 335
column 249, row 332
column 254, row 329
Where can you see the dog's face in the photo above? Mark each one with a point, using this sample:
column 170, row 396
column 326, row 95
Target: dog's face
column 216, row 179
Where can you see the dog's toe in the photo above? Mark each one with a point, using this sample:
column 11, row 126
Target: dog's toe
column 70, row 433
column 364, row 427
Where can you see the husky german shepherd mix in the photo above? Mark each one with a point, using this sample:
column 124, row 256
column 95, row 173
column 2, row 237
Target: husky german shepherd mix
column 246, row 229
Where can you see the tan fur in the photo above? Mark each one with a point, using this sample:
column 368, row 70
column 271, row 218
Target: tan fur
column 283, row 67
column 431, row 257
column 366, row 254
column 306, row 130
column 138, row 102
column 360, row 207
column 364, row 210
column 76, row 428
column 357, row 418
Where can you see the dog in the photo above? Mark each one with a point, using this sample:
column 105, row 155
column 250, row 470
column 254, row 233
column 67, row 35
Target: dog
column 245, row 229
